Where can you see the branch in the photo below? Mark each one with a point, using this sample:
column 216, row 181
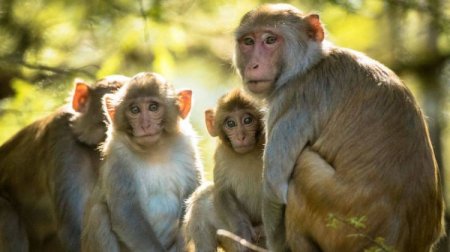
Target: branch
column 243, row 242
column 56, row 70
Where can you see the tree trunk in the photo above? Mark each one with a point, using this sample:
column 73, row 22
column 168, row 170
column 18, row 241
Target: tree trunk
column 432, row 104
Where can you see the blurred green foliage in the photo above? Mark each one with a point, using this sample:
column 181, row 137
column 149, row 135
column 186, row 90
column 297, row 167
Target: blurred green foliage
column 47, row 43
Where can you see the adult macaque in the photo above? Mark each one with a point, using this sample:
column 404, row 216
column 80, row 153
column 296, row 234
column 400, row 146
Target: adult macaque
column 233, row 203
column 47, row 171
column 151, row 167
column 344, row 137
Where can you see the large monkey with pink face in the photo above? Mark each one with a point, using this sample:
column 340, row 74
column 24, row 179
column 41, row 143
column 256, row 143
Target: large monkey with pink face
column 344, row 136
column 151, row 167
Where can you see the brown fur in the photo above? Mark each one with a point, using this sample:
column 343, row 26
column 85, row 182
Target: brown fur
column 47, row 171
column 345, row 137
column 233, row 203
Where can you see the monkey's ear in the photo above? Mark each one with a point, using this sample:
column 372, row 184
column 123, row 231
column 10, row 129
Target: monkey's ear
column 315, row 28
column 80, row 96
column 184, row 102
column 209, row 121
column 108, row 104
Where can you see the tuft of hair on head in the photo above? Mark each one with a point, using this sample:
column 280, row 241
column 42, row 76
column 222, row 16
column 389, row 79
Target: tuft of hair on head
column 237, row 99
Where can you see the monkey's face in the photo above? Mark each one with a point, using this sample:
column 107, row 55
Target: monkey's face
column 89, row 121
column 241, row 128
column 109, row 85
column 258, row 59
column 146, row 109
column 145, row 116
column 274, row 44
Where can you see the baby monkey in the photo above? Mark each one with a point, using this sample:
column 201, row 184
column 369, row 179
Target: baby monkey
column 233, row 203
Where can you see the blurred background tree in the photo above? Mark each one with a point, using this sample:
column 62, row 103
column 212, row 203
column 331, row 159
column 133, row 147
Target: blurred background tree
column 45, row 44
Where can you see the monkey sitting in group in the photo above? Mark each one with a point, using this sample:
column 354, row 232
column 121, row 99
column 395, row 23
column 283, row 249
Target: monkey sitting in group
column 345, row 137
column 48, row 170
column 151, row 166
column 233, row 202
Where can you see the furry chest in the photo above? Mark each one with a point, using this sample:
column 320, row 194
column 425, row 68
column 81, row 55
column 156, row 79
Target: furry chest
column 161, row 197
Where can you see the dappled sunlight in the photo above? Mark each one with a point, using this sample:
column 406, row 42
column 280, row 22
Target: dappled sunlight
column 46, row 44
column 189, row 42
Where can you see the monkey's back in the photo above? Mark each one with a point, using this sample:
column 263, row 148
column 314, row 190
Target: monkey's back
column 374, row 130
column 29, row 162
column 370, row 130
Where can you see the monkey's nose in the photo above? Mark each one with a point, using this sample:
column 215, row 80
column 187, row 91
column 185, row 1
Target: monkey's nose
column 146, row 126
column 255, row 66
column 241, row 137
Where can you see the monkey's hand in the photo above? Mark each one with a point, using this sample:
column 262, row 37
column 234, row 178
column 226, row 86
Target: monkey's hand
column 273, row 219
column 258, row 233
column 275, row 180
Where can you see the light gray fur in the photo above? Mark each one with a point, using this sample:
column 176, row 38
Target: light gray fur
column 145, row 193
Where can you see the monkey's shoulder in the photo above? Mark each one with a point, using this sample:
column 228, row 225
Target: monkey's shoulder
column 345, row 65
column 202, row 194
column 50, row 137
column 49, row 125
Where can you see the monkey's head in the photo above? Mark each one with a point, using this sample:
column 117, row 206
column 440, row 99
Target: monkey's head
column 275, row 43
column 88, row 121
column 146, row 109
column 236, row 121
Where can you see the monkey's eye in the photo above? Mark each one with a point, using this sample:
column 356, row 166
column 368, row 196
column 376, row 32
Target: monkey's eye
column 134, row 109
column 248, row 41
column 248, row 120
column 230, row 123
column 153, row 107
column 271, row 40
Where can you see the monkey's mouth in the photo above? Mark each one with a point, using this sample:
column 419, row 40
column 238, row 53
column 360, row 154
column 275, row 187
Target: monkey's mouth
column 256, row 82
column 148, row 138
column 243, row 148
column 149, row 135
column 258, row 86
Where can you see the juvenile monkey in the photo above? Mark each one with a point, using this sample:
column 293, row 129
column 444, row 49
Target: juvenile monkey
column 151, row 167
column 344, row 136
column 233, row 203
column 47, row 171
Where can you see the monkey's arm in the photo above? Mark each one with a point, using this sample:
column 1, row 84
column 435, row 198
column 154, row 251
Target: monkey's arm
column 191, row 188
column 286, row 140
column 97, row 232
column 127, row 217
column 72, row 185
